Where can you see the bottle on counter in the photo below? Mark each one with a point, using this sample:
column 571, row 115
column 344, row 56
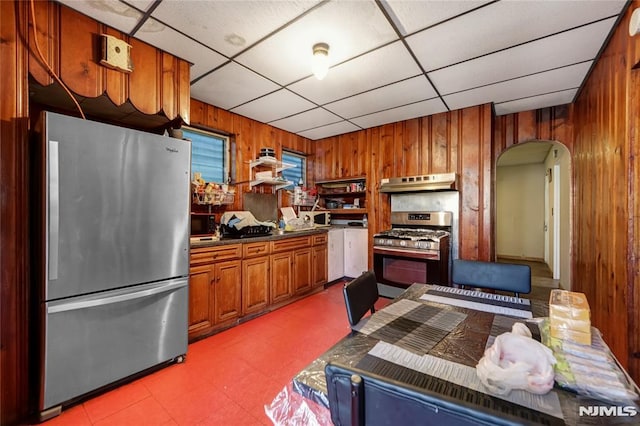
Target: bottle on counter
column 365, row 222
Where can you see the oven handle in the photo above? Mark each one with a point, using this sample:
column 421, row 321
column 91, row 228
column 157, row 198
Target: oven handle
column 406, row 253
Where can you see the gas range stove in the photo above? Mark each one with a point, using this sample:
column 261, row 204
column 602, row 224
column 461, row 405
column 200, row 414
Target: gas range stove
column 411, row 238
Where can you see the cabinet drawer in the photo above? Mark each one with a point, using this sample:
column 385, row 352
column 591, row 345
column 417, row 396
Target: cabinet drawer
column 290, row 244
column 214, row 254
column 319, row 239
column 255, row 249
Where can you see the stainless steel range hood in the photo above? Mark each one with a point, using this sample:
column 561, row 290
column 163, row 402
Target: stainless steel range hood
column 435, row 182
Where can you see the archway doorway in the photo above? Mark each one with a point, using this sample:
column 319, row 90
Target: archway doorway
column 533, row 210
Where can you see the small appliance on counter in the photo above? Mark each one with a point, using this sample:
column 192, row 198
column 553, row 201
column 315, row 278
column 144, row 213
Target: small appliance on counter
column 316, row 218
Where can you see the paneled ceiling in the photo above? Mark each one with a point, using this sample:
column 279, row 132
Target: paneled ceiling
column 390, row 60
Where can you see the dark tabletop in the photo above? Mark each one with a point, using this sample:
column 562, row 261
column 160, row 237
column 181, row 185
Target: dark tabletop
column 464, row 344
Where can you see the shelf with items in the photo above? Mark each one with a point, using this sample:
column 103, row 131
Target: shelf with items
column 211, row 194
column 353, row 211
column 343, row 196
column 260, row 175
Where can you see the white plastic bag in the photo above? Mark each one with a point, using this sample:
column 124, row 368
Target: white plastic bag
column 516, row 361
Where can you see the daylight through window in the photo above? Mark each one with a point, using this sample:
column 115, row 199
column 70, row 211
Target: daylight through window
column 209, row 154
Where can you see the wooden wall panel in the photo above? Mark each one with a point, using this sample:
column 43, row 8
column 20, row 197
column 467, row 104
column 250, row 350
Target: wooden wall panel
column 633, row 268
column 78, row 68
column 159, row 83
column 605, row 125
column 15, row 398
column 48, row 26
column 249, row 136
column 458, row 141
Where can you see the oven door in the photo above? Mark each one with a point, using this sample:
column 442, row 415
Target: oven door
column 403, row 267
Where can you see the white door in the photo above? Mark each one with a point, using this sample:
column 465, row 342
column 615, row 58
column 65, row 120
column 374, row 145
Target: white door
column 336, row 254
column 547, row 208
column 356, row 252
column 556, row 222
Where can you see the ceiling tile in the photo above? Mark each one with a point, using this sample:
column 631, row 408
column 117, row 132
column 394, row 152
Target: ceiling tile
column 306, row 120
column 274, row 106
column 411, row 16
column 551, row 81
column 350, row 28
column 330, row 130
column 535, row 102
column 571, row 47
column 401, row 93
column 113, row 13
column 229, row 26
column 143, row 5
column 378, row 68
column 419, row 109
column 501, row 25
column 230, row 86
column 203, row 58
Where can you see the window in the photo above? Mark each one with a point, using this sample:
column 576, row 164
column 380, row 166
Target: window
column 298, row 173
column 209, row 154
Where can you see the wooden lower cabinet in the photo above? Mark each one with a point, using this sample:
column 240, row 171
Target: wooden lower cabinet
column 227, row 282
column 255, row 284
column 214, row 296
column 201, row 300
column 214, row 288
column 301, row 271
column 281, row 274
column 320, row 274
column 227, row 290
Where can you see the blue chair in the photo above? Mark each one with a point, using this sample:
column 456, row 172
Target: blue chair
column 493, row 275
column 360, row 295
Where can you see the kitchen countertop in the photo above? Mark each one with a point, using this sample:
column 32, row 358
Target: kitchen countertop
column 273, row 237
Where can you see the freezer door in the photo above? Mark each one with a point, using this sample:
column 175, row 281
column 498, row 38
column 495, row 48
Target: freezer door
column 95, row 340
column 117, row 207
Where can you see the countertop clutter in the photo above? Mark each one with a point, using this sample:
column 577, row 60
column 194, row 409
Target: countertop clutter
column 208, row 241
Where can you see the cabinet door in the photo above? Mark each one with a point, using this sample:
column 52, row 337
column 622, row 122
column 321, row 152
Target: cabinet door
column 319, row 263
column 281, row 274
column 255, row 284
column 201, row 302
column 227, row 290
column 356, row 252
column 336, row 255
column 301, row 270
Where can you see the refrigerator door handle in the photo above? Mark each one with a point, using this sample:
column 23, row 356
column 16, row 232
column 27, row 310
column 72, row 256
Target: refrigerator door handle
column 121, row 297
column 54, row 209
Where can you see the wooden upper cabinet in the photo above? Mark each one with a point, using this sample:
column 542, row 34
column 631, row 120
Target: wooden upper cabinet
column 71, row 43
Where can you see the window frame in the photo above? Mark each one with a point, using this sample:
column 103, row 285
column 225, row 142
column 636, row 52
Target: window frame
column 226, row 155
column 301, row 156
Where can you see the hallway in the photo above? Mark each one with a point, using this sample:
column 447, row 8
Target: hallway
column 541, row 278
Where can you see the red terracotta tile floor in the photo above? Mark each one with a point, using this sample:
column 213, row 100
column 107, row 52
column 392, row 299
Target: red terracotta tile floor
column 227, row 378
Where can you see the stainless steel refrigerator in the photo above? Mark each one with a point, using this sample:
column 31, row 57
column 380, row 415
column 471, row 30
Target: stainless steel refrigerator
column 114, row 233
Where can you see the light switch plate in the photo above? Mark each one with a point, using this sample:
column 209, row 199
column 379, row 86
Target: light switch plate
column 116, row 54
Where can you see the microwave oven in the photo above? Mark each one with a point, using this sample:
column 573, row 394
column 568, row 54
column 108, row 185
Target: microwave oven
column 203, row 224
column 318, row 218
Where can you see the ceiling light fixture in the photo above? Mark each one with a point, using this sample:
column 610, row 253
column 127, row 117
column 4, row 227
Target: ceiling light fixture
column 320, row 60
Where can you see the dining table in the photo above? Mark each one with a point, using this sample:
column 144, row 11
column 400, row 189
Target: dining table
column 432, row 338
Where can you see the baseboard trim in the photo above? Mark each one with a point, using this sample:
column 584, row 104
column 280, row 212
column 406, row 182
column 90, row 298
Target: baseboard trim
column 528, row 259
